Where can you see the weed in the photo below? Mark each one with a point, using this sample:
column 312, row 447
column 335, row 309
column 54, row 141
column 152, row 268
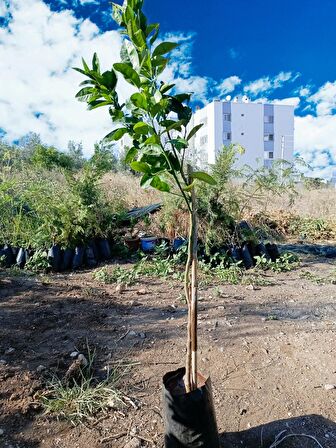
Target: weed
column 329, row 279
column 116, row 275
column 38, row 262
column 286, row 262
column 83, row 399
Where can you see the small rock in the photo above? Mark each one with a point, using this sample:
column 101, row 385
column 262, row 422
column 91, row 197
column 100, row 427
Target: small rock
column 132, row 334
column 2, row 362
column 1, row 432
column 134, row 443
column 40, row 368
column 243, row 411
column 120, row 288
column 9, row 351
column 142, row 335
column 74, row 354
column 142, row 292
column 84, row 362
column 330, row 386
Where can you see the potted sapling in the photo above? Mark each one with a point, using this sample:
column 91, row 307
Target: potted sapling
column 157, row 120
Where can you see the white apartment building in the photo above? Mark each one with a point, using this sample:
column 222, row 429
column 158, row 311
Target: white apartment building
column 266, row 131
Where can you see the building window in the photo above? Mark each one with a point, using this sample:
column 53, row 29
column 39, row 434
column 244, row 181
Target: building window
column 227, row 117
column 271, row 155
column 268, row 119
column 204, row 140
column 227, row 135
column 268, row 137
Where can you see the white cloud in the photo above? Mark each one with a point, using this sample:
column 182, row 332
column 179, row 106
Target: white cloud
column 304, row 91
column 228, row 85
column 87, row 2
column 291, row 101
column 324, row 99
column 267, row 84
column 315, row 141
column 37, row 51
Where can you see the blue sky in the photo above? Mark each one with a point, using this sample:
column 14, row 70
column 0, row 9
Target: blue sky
column 279, row 50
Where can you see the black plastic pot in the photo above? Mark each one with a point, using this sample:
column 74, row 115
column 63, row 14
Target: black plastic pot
column 7, row 252
column 235, row 253
column 68, row 256
column 22, row 257
column 55, row 258
column 262, row 251
column 273, row 251
column 78, row 258
column 104, row 249
column 189, row 419
column 246, row 257
column 94, row 247
column 89, row 257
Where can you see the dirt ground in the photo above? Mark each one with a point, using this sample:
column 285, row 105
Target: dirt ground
column 270, row 352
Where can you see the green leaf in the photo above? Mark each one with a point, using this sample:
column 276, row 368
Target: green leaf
column 194, row 130
column 164, row 48
column 109, row 79
column 204, row 177
column 131, row 153
column 182, row 97
column 152, row 140
column 128, row 72
column 141, row 128
column 85, row 93
column 171, row 124
column 98, row 103
column 116, row 134
column 139, row 39
column 146, row 180
column 141, row 167
column 86, row 67
column 166, row 87
column 139, row 100
column 117, row 12
column 155, row 34
column 95, row 63
column 179, row 143
column 159, row 184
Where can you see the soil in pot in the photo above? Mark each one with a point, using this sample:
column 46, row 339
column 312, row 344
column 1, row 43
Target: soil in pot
column 189, row 418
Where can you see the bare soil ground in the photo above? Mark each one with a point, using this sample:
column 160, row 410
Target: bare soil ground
column 270, row 352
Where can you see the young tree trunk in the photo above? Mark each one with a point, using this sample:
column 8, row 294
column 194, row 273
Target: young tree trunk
column 191, row 287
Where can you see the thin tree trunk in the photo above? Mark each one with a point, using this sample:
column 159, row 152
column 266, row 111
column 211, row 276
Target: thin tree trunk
column 191, row 296
column 194, row 290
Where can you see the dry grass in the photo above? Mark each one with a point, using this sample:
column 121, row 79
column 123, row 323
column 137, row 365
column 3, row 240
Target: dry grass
column 314, row 203
column 125, row 188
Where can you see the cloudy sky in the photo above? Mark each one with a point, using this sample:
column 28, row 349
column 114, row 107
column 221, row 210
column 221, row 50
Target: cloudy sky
column 282, row 53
